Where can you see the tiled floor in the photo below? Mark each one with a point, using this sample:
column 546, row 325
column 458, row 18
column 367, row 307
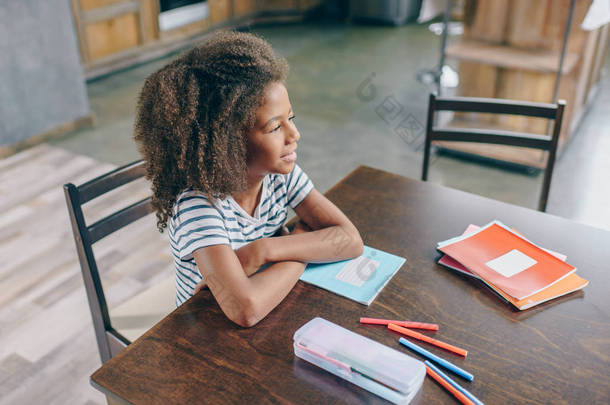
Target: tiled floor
column 341, row 129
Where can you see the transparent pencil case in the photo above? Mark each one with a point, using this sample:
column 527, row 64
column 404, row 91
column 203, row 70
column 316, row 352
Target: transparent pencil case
column 386, row 372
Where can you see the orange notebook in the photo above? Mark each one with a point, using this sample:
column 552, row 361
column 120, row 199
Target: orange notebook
column 504, row 259
column 564, row 286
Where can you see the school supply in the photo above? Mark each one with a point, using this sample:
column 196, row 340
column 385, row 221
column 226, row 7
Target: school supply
column 453, row 383
column 459, row 392
column 432, row 341
column 456, row 393
column 453, row 264
column 406, row 324
column 359, row 279
column 448, row 365
column 377, row 368
column 564, row 285
column 502, row 257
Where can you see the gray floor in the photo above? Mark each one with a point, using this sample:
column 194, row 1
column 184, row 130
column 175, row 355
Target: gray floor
column 342, row 123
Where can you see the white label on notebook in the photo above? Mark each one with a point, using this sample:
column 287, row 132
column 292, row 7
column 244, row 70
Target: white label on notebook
column 357, row 271
column 511, row 263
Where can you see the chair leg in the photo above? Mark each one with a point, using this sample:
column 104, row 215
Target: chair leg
column 546, row 185
column 429, row 124
column 424, row 174
column 550, row 164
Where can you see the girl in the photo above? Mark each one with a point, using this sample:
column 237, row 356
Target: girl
column 217, row 131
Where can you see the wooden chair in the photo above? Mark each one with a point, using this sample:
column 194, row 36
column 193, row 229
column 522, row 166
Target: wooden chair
column 138, row 314
column 496, row 106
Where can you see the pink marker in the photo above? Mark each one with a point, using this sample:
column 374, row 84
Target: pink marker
column 406, row 324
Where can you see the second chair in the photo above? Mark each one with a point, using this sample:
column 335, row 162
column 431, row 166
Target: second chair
column 492, row 136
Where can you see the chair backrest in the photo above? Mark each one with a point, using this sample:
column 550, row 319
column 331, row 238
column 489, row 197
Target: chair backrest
column 497, row 106
column 109, row 341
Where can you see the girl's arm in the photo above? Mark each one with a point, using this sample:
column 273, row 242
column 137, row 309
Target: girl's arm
column 245, row 300
column 333, row 235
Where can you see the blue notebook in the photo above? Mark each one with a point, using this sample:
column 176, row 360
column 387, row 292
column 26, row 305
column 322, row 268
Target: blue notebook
column 359, row 279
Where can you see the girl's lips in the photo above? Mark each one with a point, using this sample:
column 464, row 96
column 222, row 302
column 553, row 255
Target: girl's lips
column 291, row 157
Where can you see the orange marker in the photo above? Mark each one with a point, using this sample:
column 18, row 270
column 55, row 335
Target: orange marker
column 461, row 397
column 406, row 324
column 417, row 335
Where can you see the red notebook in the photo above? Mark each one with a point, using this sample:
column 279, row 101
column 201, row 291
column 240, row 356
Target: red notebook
column 565, row 286
column 503, row 258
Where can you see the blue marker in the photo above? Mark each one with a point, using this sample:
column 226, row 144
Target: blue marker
column 456, row 385
column 442, row 362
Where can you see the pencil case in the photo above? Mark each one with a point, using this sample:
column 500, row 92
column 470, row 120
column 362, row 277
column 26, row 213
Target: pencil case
column 386, row 372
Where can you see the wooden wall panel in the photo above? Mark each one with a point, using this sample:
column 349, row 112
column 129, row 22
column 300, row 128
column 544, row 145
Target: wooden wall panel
column 111, row 36
column 87, row 5
column 555, row 25
column 526, row 86
column 600, row 56
column 489, row 21
column 567, row 91
column 220, row 10
column 522, row 39
column 243, row 7
column 526, row 23
column 586, row 68
column 149, row 19
column 476, row 80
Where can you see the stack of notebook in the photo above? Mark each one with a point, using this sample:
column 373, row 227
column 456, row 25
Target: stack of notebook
column 521, row 272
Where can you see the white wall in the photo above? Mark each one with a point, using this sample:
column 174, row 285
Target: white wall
column 41, row 80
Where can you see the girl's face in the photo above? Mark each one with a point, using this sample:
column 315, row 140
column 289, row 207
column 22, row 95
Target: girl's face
column 273, row 140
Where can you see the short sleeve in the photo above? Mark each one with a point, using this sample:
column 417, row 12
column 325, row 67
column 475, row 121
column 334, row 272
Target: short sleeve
column 197, row 224
column 298, row 186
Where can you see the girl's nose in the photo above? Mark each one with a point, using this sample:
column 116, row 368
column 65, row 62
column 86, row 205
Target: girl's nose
column 293, row 134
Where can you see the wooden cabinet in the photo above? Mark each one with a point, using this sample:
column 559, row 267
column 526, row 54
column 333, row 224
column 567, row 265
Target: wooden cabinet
column 220, row 10
column 107, row 28
column 242, row 7
column 114, row 34
column 511, row 49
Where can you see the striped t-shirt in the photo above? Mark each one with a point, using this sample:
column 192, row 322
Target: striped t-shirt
column 198, row 222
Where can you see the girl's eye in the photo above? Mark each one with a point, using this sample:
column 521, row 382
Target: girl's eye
column 278, row 127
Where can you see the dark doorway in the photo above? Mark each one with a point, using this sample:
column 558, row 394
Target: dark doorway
column 172, row 4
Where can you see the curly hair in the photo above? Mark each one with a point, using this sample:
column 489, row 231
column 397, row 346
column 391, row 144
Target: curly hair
column 193, row 116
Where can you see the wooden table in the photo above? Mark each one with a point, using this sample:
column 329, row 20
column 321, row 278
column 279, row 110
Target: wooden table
column 558, row 352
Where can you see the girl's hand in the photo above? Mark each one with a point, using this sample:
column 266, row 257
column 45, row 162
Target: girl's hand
column 252, row 256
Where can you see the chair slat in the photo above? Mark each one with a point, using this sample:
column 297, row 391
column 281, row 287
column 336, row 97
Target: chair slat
column 492, row 136
column 495, row 106
column 109, row 181
column 119, row 219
